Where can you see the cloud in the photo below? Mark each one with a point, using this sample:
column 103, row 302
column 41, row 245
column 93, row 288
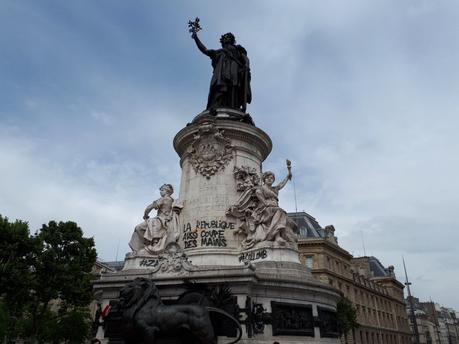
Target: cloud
column 362, row 97
column 105, row 197
column 102, row 117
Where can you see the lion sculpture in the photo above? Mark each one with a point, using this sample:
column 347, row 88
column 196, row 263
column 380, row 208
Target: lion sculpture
column 147, row 317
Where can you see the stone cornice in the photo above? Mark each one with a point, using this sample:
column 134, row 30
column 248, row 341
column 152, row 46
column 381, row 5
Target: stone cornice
column 389, row 279
column 322, row 242
column 232, row 130
column 354, row 284
column 384, row 329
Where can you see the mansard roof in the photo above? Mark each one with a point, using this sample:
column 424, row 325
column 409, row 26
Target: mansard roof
column 307, row 225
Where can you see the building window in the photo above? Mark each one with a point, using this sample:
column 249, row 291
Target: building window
column 308, row 261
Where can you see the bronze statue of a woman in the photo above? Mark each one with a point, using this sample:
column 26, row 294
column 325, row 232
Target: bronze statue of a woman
column 230, row 83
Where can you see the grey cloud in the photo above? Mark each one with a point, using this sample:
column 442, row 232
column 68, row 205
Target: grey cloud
column 369, row 91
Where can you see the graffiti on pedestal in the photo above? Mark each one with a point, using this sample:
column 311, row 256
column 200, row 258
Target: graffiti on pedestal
column 202, row 233
column 253, row 255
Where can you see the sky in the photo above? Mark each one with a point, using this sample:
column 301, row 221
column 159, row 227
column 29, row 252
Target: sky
column 362, row 96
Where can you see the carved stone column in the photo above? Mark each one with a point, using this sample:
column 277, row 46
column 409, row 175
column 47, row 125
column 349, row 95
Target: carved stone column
column 209, row 151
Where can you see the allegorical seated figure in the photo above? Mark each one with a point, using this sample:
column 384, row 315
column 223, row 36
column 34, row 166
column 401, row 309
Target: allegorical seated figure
column 262, row 220
column 153, row 234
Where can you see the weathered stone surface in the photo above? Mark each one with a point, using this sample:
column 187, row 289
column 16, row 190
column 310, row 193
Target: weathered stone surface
column 210, row 150
column 260, row 219
column 221, row 159
column 206, row 228
column 171, row 261
column 262, row 282
column 153, row 234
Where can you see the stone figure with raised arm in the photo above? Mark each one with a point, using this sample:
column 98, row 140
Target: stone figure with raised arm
column 270, row 220
column 230, row 83
column 262, row 220
column 152, row 235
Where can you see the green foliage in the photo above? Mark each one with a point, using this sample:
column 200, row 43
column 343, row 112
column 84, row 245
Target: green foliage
column 71, row 326
column 46, row 281
column 64, row 265
column 18, row 252
column 74, row 327
column 4, row 320
column 346, row 316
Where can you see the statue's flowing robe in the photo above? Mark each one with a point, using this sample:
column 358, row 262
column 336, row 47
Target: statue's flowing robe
column 262, row 221
column 270, row 219
column 154, row 228
column 230, row 83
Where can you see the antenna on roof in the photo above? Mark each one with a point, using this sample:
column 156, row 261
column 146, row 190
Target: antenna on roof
column 363, row 244
column 289, row 167
column 294, row 195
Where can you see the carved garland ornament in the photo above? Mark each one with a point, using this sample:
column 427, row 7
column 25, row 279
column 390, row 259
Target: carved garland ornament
column 173, row 259
column 210, row 150
column 246, row 178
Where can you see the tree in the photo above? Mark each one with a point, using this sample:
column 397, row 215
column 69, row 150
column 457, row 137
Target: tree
column 18, row 251
column 347, row 317
column 4, row 316
column 49, row 275
column 74, row 326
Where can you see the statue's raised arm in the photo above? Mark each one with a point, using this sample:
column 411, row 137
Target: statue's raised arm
column 194, row 27
column 287, row 177
column 200, row 45
column 230, row 83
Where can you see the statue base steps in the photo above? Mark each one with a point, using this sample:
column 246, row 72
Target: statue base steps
column 274, row 300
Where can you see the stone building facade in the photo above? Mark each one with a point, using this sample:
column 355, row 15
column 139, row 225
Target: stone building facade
column 372, row 288
column 436, row 324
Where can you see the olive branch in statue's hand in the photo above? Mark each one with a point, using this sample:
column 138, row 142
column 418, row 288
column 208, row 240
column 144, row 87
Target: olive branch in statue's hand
column 289, row 168
column 194, row 27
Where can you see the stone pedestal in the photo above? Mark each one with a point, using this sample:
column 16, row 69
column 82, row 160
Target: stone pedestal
column 274, row 296
column 209, row 151
column 276, row 301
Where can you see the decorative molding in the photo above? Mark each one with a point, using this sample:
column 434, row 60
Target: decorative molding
column 254, row 317
column 210, row 151
column 172, row 260
column 244, row 137
column 246, row 178
column 292, row 319
column 322, row 242
column 328, row 323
